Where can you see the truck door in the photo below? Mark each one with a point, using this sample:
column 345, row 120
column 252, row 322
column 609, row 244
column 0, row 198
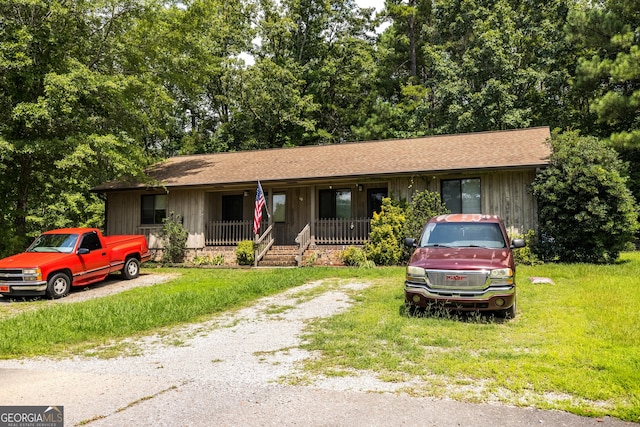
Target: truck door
column 95, row 264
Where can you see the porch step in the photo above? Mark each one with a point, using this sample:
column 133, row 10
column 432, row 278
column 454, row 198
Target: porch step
column 280, row 256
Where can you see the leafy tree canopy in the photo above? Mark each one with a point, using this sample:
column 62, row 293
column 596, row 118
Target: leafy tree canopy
column 609, row 71
column 74, row 117
column 93, row 91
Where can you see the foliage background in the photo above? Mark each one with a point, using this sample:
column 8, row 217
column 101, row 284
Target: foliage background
column 93, row 91
column 587, row 213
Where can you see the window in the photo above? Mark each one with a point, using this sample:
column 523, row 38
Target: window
column 279, row 203
column 335, row 204
column 54, row 243
column 462, row 195
column 90, row 241
column 374, row 200
column 232, row 208
column 154, row 209
column 463, row 234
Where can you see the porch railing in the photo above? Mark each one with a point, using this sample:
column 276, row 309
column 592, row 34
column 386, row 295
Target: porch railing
column 354, row 231
column 303, row 240
column 229, row 233
column 263, row 244
column 152, row 233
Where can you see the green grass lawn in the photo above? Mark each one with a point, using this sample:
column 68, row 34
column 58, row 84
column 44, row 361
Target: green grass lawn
column 44, row 327
column 574, row 345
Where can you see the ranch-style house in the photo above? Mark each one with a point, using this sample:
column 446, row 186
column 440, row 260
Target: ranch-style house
column 323, row 197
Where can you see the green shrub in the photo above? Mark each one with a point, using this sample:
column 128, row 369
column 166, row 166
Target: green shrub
column 353, row 257
column 311, row 260
column 367, row 264
column 245, row 253
column 199, row 260
column 174, row 239
column 385, row 239
column 586, row 211
column 526, row 255
column 423, row 206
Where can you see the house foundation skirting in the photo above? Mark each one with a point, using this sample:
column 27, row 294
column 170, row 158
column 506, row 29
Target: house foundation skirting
column 315, row 255
column 325, row 255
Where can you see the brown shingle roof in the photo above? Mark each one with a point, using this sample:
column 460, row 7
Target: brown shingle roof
column 482, row 150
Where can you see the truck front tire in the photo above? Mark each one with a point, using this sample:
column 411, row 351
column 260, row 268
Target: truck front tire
column 58, row 286
column 509, row 313
column 131, row 268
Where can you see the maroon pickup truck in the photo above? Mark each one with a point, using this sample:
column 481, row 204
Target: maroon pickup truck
column 59, row 259
column 463, row 262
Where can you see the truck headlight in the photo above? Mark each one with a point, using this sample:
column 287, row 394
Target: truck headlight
column 415, row 273
column 501, row 273
column 31, row 274
column 502, row 276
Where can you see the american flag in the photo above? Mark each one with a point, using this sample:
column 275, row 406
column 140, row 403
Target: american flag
column 260, row 203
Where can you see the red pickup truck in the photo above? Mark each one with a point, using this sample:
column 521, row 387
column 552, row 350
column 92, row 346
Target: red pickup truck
column 59, row 259
column 463, row 262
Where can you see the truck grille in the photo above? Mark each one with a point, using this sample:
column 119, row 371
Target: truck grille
column 457, row 279
column 7, row 275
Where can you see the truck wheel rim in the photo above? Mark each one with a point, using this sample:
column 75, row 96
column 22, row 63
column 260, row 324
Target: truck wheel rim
column 132, row 268
column 59, row 286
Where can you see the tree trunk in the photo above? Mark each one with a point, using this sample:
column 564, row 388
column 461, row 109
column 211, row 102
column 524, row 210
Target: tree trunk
column 412, row 41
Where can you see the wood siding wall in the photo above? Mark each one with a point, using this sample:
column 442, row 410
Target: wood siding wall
column 504, row 193
column 123, row 212
column 123, row 215
column 189, row 204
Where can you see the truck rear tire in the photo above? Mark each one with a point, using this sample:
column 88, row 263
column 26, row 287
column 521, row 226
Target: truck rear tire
column 131, row 268
column 58, row 286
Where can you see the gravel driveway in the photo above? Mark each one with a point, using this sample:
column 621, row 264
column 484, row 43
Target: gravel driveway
column 228, row 371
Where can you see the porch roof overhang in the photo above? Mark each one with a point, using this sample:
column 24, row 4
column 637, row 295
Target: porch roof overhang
column 513, row 149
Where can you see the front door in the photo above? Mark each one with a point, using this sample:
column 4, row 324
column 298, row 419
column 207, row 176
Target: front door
column 279, row 218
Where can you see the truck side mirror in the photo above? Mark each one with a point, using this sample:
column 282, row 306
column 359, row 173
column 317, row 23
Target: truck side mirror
column 518, row 243
column 410, row 242
column 82, row 251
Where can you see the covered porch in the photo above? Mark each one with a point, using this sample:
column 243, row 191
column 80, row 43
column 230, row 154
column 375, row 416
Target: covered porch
column 332, row 232
column 301, row 216
column 336, row 231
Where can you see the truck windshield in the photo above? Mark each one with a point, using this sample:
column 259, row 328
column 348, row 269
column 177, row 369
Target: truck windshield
column 54, row 243
column 463, row 234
